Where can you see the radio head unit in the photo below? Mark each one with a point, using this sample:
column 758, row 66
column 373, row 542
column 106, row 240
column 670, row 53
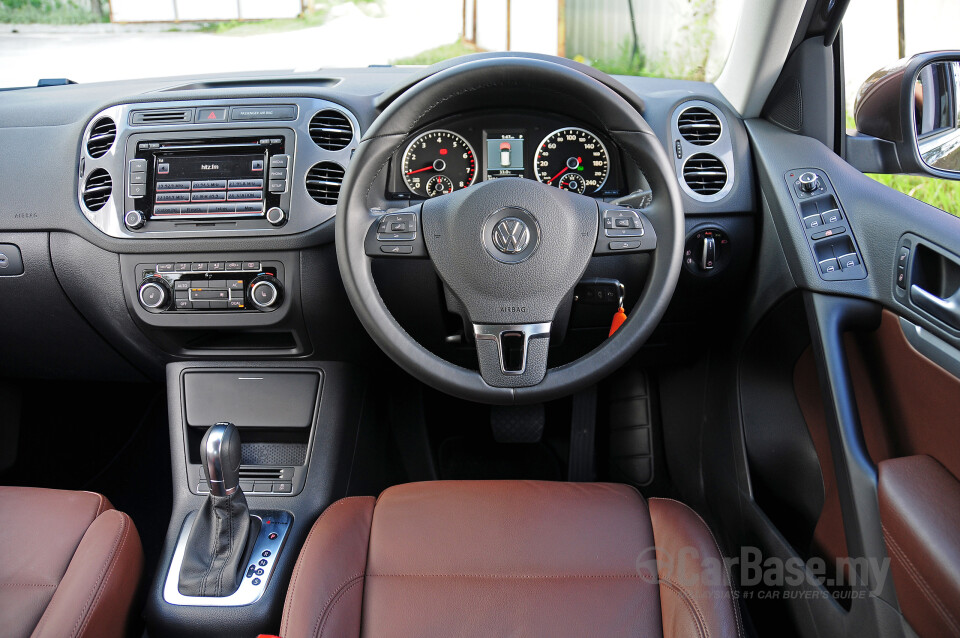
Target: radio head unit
column 243, row 180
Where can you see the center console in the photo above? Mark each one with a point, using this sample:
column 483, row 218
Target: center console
column 297, row 424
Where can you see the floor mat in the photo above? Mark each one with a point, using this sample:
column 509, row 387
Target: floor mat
column 477, row 458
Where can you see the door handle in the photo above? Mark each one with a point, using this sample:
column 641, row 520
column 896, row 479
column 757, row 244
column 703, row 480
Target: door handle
column 946, row 310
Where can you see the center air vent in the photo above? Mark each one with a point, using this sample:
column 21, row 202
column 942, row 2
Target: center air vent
column 704, row 174
column 162, row 116
column 699, row 126
column 102, row 135
column 331, row 130
column 97, row 189
column 323, row 182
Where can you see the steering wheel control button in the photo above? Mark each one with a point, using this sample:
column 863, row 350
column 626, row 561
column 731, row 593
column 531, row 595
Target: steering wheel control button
column 397, row 249
column 11, row 261
column 622, row 223
column 397, row 227
column 624, row 245
column 134, row 220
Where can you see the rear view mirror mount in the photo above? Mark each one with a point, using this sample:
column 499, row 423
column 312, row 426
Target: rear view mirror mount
column 908, row 118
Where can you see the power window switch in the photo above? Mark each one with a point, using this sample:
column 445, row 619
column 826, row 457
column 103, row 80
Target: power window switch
column 832, row 216
column 848, row 261
column 812, row 221
column 829, row 265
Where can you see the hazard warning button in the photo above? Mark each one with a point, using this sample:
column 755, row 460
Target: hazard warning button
column 211, row 115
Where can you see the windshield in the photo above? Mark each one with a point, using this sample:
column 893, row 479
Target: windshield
column 102, row 40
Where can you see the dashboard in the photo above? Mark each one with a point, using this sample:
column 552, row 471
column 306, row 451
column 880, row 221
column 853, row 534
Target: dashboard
column 462, row 150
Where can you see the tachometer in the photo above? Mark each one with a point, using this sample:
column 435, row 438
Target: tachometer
column 438, row 162
column 573, row 159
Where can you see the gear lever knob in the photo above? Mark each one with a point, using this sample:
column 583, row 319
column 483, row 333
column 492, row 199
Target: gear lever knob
column 220, row 455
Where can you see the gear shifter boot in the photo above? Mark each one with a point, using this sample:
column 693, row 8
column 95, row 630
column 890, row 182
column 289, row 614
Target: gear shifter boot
column 216, row 547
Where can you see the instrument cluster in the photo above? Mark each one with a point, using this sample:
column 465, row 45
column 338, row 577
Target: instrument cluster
column 461, row 151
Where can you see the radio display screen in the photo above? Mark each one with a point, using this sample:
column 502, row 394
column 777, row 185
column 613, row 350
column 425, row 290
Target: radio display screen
column 209, row 178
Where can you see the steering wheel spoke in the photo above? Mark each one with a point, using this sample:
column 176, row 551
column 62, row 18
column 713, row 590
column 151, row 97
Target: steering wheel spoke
column 512, row 356
column 624, row 230
column 398, row 233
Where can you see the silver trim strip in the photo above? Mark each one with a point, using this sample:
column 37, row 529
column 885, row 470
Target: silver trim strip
column 271, row 521
column 495, row 332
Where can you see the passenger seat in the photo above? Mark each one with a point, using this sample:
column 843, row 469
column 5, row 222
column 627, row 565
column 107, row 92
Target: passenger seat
column 70, row 564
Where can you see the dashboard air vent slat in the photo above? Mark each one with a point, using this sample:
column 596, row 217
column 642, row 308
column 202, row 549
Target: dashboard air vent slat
column 331, row 130
column 102, row 135
column 162, row 116
column 97, row 189
column 705, row 174
column 699, row 126
column 324, row 181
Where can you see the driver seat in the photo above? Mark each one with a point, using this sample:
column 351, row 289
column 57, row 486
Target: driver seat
column 509, row 558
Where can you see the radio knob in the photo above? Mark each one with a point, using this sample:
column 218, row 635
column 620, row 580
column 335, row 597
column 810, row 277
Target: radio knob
column 134, row 219
column 276, row 216
column 154, row 293
column 265, row 291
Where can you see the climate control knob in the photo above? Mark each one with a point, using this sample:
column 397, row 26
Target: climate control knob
column 154, row 293
column 265, row 292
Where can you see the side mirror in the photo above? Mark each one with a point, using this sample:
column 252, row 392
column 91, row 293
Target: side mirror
column 915, row 105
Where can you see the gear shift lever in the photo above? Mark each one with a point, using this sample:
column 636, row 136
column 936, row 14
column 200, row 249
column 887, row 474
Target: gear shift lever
column 217, row 543
column 220, row 455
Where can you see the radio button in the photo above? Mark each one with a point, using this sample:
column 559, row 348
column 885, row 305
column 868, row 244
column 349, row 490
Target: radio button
column 221, row 209
column 209, row 184
column 278, row 185
column 209, row 196
column 194, row 209
column 173, row 186
column 138, row 178
column 279, row 161
column 137, row 190
column 278, row 173
column 234, row 265
column 163, row 211
column 138, row 165
column 256, row 165
column 276, row 216
column 250, row 208
column 163, row 168
column 172, row 197
column 244, row 196
column 216, row 266
column 134, row 219
column 244, row 183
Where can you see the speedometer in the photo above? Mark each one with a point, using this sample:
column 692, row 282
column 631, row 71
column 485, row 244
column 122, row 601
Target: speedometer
column 573, row 159
column 438, row 162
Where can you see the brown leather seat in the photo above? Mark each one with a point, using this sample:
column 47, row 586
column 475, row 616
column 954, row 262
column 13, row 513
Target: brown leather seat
column 70, row 564
column 509, row 558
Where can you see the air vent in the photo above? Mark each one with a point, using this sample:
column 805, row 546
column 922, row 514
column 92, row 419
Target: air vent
column 162, row 116
column 323, row 182
column 704, row 174
column 102, row 135
column 699, row 126
column 97, row 189
column 331, row 130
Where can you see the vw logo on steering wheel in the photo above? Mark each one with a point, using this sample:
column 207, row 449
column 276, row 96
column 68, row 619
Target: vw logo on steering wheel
column 511, row 236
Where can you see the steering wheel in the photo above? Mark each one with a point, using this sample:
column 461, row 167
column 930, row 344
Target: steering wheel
column 509, row 250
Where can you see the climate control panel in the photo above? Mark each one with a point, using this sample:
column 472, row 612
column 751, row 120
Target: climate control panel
column 210, row 286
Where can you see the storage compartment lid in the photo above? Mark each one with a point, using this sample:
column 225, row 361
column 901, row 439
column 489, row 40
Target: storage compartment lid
column 251, row 398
